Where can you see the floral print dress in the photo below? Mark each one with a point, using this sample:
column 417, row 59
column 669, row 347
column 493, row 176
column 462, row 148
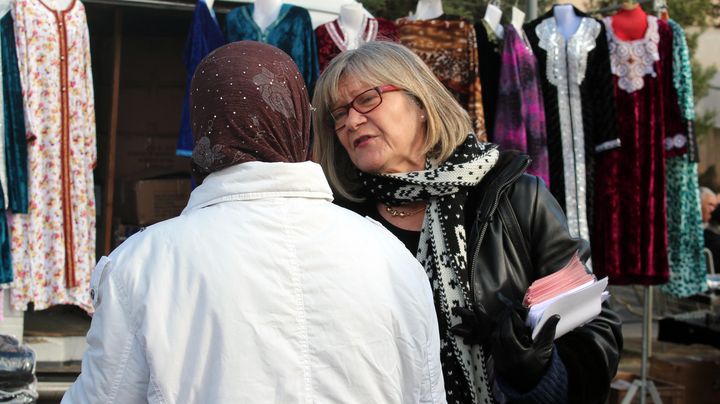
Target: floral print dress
column 53, row 245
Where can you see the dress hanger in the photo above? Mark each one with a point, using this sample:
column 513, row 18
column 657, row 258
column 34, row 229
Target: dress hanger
column 59, row 4
column 517, row 17
column 662, row 9
column 493, row 13
column 4, row 7
column 629, row 5
column 427, row 10
column 352, row 21
column 265, row 12
column 630, row 22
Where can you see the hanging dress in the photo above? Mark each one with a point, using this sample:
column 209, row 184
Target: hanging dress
column 490, row 49
column 292, row 32
column 579, row 111
column 448, row 46
column 53, row 245
column 4, row 11
column 331, row 39
column 6, row 272
column 16, row 158
column 204, row 37
column 520, row 123
column 688, row 271
column 631, row 246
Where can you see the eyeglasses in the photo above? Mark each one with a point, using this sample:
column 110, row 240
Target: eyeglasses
column 363, row 103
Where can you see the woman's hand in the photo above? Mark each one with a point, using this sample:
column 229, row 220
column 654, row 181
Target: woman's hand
column 521, row 362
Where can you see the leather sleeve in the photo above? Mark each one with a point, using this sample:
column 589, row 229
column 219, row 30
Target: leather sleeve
column 590, row 353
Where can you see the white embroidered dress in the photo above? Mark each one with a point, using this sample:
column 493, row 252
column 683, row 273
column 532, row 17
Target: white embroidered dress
column 53, row 245
column 342, row 39
column 566, row 67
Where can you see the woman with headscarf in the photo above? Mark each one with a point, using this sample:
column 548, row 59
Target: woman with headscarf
column 261, row 290
column 398, row 147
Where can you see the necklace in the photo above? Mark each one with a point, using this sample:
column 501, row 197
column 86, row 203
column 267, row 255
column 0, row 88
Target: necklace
column 397, row 213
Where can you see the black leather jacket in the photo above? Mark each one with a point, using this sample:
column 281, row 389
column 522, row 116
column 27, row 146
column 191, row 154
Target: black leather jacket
column 590, row 353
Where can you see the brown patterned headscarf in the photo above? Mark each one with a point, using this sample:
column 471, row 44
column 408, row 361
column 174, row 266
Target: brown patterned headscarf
column 248, row 102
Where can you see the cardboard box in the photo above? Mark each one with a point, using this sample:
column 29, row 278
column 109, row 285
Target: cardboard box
column 669, row 393
column 146, row 201
column 148, row 156
column 700, row 376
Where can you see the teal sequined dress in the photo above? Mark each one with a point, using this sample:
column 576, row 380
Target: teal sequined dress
column 688, row 273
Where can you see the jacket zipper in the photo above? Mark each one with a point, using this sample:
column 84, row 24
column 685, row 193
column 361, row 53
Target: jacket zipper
column 484, row 228
column 477, row 250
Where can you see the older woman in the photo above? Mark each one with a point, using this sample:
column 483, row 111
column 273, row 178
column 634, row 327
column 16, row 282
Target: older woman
column 397, row 147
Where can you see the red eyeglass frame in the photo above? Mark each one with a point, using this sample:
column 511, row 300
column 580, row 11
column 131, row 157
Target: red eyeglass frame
column 385, row 88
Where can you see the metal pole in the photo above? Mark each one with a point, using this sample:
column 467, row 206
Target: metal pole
column 649, row 329
column 647, row 320
column 532, row 9
column 112, row 133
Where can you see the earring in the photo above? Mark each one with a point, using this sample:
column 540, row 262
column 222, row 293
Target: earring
column 422, row 117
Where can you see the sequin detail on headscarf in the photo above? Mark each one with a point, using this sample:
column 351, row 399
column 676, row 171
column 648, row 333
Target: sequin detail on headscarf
column 248, row 102
column 277, row 97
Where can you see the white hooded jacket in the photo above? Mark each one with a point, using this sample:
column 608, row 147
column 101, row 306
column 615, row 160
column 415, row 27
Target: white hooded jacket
column 261, row 291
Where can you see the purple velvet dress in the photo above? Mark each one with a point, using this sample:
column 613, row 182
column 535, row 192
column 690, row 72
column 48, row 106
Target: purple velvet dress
column 631, row 243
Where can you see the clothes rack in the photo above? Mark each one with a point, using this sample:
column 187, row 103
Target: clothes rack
column 162, row 4
column 643, row 384
column 222, row 7
column 532, row 9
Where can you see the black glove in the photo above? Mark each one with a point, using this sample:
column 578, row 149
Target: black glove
column 475, row 326
column 519, row 361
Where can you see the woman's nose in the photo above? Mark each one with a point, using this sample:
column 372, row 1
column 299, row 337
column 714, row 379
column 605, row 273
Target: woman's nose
column 355, row 119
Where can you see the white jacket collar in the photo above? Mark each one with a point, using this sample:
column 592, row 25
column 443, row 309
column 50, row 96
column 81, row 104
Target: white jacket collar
column 256, row 180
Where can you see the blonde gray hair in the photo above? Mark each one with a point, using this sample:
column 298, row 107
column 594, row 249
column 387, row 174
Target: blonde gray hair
column 705, row 191
column 380, row 63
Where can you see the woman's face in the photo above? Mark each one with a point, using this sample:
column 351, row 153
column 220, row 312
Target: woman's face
column 708, row 203
column 388, row 139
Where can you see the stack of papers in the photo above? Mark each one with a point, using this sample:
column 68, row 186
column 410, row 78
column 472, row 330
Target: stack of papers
column 571, row 292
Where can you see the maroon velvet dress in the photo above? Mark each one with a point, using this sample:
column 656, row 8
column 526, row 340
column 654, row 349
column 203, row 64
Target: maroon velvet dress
column 331, row 39
column 630, row 242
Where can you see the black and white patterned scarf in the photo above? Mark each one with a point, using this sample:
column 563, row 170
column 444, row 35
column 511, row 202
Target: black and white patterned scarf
column 443, row 246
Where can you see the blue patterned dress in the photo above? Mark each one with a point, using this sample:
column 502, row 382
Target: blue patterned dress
column 292, row 32
column 204, row 37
